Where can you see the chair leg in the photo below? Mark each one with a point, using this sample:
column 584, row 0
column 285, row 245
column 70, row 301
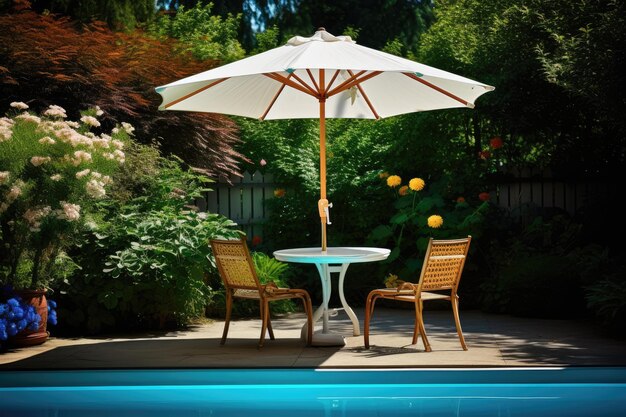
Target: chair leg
column 455, row 310
column 308, row 309
column 269, row 320
column 229, row 304
column 422, row 327
column 369, row 311
column 416, row 328
column 265, row 310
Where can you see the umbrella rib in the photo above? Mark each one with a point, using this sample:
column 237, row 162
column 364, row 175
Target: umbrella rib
column 352, row 78
column 308, row 71
column 280, row 90
column 185, row 97
column 353, row 81
column 304, row 84
column 439, row 89
column 332, row 80
column 367, row 100
column 281, row 79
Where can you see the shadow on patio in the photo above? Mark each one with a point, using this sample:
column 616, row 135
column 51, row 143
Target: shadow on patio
column 493, row 340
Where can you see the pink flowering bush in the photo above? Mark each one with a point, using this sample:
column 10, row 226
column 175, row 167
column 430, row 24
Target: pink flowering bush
column 52, row 170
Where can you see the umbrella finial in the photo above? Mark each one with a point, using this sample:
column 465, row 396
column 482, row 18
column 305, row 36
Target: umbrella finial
column 321, row 29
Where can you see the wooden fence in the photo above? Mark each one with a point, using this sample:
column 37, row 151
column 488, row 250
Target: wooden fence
column 524, row 193
column 523, row 190
column 242, row 201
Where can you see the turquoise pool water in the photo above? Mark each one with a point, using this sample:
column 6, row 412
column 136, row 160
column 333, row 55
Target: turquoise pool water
column 309, row 392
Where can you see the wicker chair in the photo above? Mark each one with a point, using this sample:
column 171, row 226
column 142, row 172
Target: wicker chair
column 441, row 271
column 239, row 276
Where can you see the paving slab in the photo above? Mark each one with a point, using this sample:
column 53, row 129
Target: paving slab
column 493, row 341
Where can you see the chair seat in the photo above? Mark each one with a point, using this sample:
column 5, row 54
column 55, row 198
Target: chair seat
column 410, row 295
column 276, row 294
column 242, row 293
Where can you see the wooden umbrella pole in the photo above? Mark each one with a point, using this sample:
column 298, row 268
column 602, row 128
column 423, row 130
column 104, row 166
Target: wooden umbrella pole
column 323, row 203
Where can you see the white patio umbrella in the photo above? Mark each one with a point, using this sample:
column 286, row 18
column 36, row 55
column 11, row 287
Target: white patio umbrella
column 323, row 76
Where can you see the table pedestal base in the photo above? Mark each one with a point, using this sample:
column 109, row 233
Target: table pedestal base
column 323, row 339
column 331, row 261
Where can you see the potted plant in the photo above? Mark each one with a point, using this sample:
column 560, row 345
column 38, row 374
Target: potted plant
column 52, row 170
column 21, row 320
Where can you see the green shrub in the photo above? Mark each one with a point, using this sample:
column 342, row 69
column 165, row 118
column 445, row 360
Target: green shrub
column 52, row 172
column 536, row 271
column 421, row 212
column 146, row 262
column 603, row 277
column 539, row 285
column 607, row 299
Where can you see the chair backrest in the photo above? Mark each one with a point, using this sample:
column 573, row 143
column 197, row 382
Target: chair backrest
column 443, row 264
column 234, row 264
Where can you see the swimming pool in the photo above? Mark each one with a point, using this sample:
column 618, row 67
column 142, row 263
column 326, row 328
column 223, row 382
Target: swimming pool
column 315, row 392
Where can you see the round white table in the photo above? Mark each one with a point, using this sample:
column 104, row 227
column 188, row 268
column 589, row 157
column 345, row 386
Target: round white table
column 334, row 260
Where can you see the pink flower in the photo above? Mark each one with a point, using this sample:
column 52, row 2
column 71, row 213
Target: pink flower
column 19, row 105
column 82, row 173
column 55, row 111
column 39, row 160
column 68, row 211
column 90, row 120
column 128, row 128
column 262, row 162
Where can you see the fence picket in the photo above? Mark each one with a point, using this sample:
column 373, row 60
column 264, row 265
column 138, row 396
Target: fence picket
column 243, row 200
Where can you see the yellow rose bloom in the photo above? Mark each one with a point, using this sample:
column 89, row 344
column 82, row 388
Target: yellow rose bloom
column 435, row 221
column 404, row 190
column 417, row 184
column 393, row 181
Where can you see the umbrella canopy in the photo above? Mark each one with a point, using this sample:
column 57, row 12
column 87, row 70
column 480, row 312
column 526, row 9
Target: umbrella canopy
column 323, row 76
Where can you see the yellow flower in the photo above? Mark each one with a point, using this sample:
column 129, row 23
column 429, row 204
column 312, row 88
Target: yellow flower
column 393, row 181
column 435, row 221
column 417, row 184
column 279, row 192
column 383, row 175
column 404, row 190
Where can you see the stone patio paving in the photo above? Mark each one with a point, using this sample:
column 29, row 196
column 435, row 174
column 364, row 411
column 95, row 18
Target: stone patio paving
column 493, row 340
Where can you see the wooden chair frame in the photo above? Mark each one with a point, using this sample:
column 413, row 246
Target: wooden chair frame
column 240, row 279
column 442, row 269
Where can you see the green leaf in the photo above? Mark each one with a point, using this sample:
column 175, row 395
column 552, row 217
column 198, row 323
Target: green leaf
column 425, row 205
column 381, row 232
column 395, row 253
column 414, row 265
column 422, row 244
column 403, row 202
column 399, row 218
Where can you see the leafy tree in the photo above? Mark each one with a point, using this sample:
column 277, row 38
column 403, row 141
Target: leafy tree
column 410, row 18
column 584, row 54
column 549, row 102
column 120, row 14
column 47, row 60
column 206, row 35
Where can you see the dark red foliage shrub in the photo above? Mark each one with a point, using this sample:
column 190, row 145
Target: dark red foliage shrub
column 48, row 59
